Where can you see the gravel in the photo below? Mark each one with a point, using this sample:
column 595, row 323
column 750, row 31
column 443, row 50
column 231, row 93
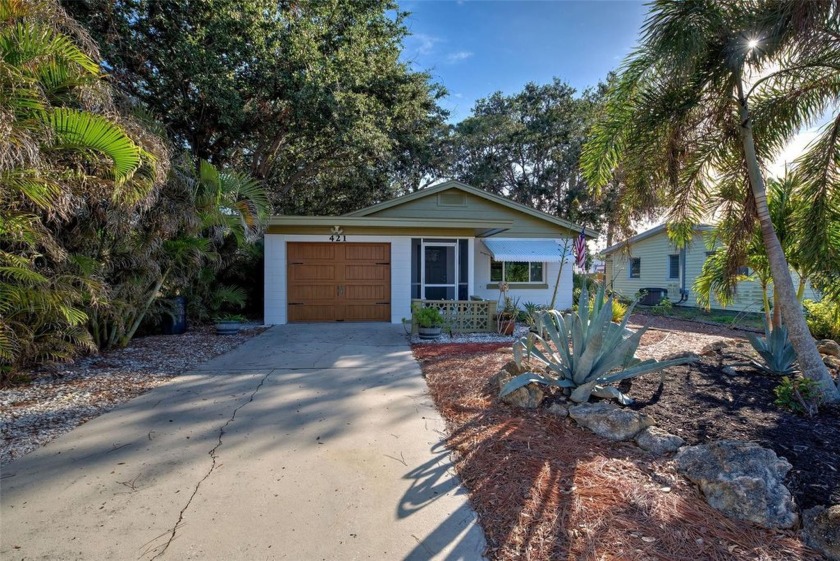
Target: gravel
column 445, row 338
column 59, row 398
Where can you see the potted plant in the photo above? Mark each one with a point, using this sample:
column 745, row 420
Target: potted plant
column 228, row 324
column 507, row 317
column 532, row 315
column 429, row 321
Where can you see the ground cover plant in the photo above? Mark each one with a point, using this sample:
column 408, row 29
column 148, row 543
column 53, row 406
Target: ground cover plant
column 546, row 489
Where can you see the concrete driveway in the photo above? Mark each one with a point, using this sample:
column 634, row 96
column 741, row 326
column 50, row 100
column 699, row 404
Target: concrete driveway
column 307, row 442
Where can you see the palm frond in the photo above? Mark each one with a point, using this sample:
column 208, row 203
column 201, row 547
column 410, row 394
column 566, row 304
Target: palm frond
column 79, row 130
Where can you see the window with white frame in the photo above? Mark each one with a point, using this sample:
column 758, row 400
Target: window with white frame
column 674, row 266
column 519, row 272
column 635, row 267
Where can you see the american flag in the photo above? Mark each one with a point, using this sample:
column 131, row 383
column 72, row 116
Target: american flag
column 580, row 250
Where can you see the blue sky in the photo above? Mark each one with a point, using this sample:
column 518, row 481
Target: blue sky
column 477, row 47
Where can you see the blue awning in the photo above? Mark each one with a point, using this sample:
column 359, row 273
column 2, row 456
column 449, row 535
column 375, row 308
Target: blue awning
column 549, row 251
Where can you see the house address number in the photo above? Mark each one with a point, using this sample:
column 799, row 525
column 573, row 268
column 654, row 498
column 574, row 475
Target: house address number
column 337, row 234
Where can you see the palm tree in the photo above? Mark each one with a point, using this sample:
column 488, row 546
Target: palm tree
column 713, row 92
column 59, row 149
column 784, row 206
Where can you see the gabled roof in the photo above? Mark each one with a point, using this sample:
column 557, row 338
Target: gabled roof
column 649, row 234
column 457, row 185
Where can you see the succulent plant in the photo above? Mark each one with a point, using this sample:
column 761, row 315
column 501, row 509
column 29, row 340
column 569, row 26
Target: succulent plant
column 775, row 349
column 584, row 351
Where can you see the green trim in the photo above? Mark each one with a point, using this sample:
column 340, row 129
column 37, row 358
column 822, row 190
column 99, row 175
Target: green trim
column 381, row 222
column 478, row 193
column 520, row 286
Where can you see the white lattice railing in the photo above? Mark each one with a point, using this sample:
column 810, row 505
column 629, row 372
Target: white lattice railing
column 463, row 316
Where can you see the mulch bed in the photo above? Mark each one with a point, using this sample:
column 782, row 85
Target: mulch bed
column 700, row 403
column 545, row 489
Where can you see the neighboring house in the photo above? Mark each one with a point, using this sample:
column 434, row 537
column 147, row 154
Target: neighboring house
column 448, row 242
column 649, row 260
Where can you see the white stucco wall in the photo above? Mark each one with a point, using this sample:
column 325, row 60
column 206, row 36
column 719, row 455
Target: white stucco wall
column 535, row 295
column 479, row 269
column 275, row 274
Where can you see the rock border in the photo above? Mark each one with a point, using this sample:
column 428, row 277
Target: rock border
column 741, row 480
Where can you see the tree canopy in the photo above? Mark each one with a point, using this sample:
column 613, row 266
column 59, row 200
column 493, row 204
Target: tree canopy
column 527, row 147
column 308, row 96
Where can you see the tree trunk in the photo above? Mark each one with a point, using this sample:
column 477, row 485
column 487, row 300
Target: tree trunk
column 800, row 291
column 810, row 361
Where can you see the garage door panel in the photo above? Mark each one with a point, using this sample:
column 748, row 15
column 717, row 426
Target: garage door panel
column 311, row 272
column 368, row 252
column 312, row 312
column 338, row 281
column 305, row 292
column 366, row 292
column 366, row 272
column 367, row 312
column 312, row 252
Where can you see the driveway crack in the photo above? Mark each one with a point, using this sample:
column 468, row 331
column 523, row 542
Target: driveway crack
column 213, row 459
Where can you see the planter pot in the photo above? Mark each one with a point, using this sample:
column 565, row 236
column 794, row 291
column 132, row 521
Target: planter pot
column 506, row 326
column 175, row 322
column 429, row 332
column 227, row 327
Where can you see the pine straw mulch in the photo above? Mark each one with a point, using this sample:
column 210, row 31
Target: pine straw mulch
column 546, row 489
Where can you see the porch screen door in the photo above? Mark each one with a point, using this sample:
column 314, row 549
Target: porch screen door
column 440, row 271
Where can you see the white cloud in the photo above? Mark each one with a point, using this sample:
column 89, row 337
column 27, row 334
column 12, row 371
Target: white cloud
column 422, row 44
column 458, row 56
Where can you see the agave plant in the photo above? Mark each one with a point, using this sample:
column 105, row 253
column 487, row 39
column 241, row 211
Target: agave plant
column 584, row 352
column 775, row 349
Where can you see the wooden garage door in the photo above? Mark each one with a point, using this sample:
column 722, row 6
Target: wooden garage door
column 339, row 281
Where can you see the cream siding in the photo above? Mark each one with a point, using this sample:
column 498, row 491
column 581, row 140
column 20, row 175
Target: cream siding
column 654, row 252
column 524, row 226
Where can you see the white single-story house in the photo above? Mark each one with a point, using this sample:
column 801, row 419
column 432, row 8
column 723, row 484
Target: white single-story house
column 649, row 260
column 450, row 242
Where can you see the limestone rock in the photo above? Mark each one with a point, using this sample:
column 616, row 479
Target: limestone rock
column 529, row 396
column 658, row 441
column 829, row 347
column 832, row 362
column 821, row 530
column 609, row 420
column 559, row 409
column 682, row 354
column 713, row 349
column 742, row 480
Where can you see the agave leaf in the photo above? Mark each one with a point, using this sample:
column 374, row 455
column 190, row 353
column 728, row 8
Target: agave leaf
column 646, row 366
column 577, row 339
column 595, row 347
column 583, row 308
column 523, row 380
column 557, row 329
column 621, row 355
column 517, row 352
column 583, row 391
column 609, row 392
column 775, row 350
